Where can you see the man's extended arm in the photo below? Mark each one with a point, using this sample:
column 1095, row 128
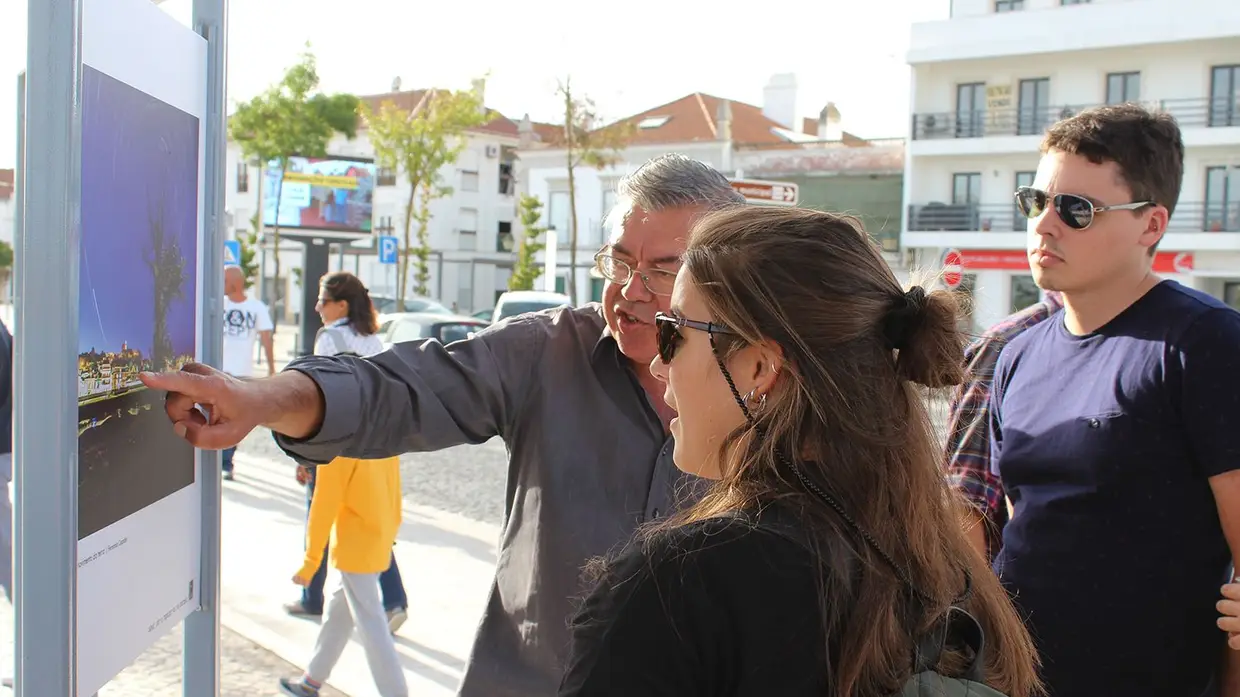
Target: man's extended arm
column 417, row 396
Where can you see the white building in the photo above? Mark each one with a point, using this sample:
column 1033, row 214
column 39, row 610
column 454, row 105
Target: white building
column 470, row 230
column 989, row 80
column 739, row 139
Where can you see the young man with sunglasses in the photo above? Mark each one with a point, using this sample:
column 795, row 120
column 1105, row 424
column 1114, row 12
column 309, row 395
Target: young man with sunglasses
column 570, row 392
column 1113, row 425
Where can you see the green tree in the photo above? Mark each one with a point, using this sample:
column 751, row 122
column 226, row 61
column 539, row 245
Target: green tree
column 525, row 269
column 291, row 118
column 6, row 255
column 249, row 252
column 585, row 145
column 419, row 144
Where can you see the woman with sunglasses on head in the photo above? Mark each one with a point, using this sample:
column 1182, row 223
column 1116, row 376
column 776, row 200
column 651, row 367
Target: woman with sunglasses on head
column 827, row 555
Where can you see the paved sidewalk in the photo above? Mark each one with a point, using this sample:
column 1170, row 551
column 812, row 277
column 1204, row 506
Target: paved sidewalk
column 447, row 563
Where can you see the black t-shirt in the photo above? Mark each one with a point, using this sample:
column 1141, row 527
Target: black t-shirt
column 717, row 608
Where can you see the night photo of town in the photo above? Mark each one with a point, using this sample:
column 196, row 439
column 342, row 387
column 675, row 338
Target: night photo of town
column 136, row 297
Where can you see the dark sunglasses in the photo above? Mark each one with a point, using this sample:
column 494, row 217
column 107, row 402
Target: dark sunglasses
column 669, row 337
column 1077, row 212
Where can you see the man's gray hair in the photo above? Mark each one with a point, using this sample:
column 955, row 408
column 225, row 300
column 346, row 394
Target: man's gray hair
column 671, row 181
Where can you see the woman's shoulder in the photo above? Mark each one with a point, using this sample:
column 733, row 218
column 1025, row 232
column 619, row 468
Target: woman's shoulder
column 759, row 541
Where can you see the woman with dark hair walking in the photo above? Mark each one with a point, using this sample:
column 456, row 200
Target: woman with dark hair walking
column 360, row 500
column 827, row 556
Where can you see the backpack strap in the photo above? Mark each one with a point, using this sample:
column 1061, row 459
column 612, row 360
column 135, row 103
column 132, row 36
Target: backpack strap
column 342, row 346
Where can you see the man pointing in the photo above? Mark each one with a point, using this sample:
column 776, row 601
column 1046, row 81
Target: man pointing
column 569, row 390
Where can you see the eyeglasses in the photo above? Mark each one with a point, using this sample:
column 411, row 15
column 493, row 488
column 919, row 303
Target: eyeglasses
column 657, row 281
column 667, row 328
column 1077, row 212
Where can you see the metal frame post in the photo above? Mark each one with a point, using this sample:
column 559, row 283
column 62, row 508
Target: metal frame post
column 45, row 452
column 201, row 644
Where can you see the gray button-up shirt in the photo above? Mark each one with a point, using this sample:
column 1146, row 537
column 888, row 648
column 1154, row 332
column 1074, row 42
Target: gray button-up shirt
column 589, row 462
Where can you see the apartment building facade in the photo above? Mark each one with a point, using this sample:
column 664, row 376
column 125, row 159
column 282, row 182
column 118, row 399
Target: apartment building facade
column 470, row 230
column 833, row 169
column 988, row 82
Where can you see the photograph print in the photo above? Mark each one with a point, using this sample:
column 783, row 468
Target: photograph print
column 137, row 296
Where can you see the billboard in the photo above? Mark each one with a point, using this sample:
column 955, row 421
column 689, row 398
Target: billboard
column 327, row 193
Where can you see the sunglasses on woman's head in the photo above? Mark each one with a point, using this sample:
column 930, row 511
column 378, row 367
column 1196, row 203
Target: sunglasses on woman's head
column 667, row 328
column 1077, row 212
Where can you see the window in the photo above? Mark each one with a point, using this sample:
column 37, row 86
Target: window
column 1231, row 294
column 1009, row 5
column 1123, row 87
column 1019, row 222
column 467, row 229
column 1033, row 106
column 507, row 181
column 385, row 176
column 966, row 193
column 243, row 177
column 970, row 110
column 1225, row 95
column 503, row 238
column 469, row 181
column 596, row 290
column 1222, row 212
column 966, row 188
column 1073, row 2
column 1024, row 292
column 557, row 215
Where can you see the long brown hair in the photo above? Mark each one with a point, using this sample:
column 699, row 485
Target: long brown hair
column 846, row 408
column 344, row 286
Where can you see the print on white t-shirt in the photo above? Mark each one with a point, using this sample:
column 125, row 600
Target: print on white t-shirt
column 243, row 322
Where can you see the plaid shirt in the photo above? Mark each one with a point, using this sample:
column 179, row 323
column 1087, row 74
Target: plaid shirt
column 968, row 441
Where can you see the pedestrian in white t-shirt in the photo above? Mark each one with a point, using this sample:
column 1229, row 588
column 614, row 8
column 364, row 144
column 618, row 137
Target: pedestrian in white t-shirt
column 246, row 321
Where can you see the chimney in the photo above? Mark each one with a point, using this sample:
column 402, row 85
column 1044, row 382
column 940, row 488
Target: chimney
column 525, row 133
column 396, row 84
column 829, row 123
column 779, row 100
column 723, row 121
column 479, row 87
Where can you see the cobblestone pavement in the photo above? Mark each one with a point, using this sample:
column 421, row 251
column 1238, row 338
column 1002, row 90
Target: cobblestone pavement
column 246, row 669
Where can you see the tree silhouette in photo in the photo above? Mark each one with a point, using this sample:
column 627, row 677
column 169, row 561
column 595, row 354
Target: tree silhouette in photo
column 168, row 273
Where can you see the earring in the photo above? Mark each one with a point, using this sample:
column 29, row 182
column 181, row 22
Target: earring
column 749, row 397
column 762, row 400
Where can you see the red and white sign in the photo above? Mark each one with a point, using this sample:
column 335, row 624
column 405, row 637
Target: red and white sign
column 953, row 268
column 758, row 191
column 1018, row 260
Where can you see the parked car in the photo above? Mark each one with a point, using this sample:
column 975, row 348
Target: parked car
column 386, row 304
column 412, row 326
column 484, row 315
column 519, row 302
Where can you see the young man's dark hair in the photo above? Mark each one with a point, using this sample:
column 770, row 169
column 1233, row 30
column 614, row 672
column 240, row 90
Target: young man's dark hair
column 1146, row 145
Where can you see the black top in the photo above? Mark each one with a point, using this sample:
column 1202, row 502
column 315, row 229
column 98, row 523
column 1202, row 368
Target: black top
column 717, row 608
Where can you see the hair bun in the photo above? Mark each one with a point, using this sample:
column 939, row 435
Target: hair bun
column 903, row 317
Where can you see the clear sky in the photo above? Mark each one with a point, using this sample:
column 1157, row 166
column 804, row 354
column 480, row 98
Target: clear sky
column 627, row 56
column 138, row 155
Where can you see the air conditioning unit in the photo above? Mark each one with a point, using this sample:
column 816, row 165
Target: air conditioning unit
column 492, row 151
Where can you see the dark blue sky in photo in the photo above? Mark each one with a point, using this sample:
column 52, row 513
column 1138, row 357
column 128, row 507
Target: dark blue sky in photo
column 136, row 150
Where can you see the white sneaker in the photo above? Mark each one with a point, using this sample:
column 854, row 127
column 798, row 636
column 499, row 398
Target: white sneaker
column 396, row 618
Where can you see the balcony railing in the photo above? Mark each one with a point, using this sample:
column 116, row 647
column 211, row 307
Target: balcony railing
column 1190, row 216
column 1195, row 113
